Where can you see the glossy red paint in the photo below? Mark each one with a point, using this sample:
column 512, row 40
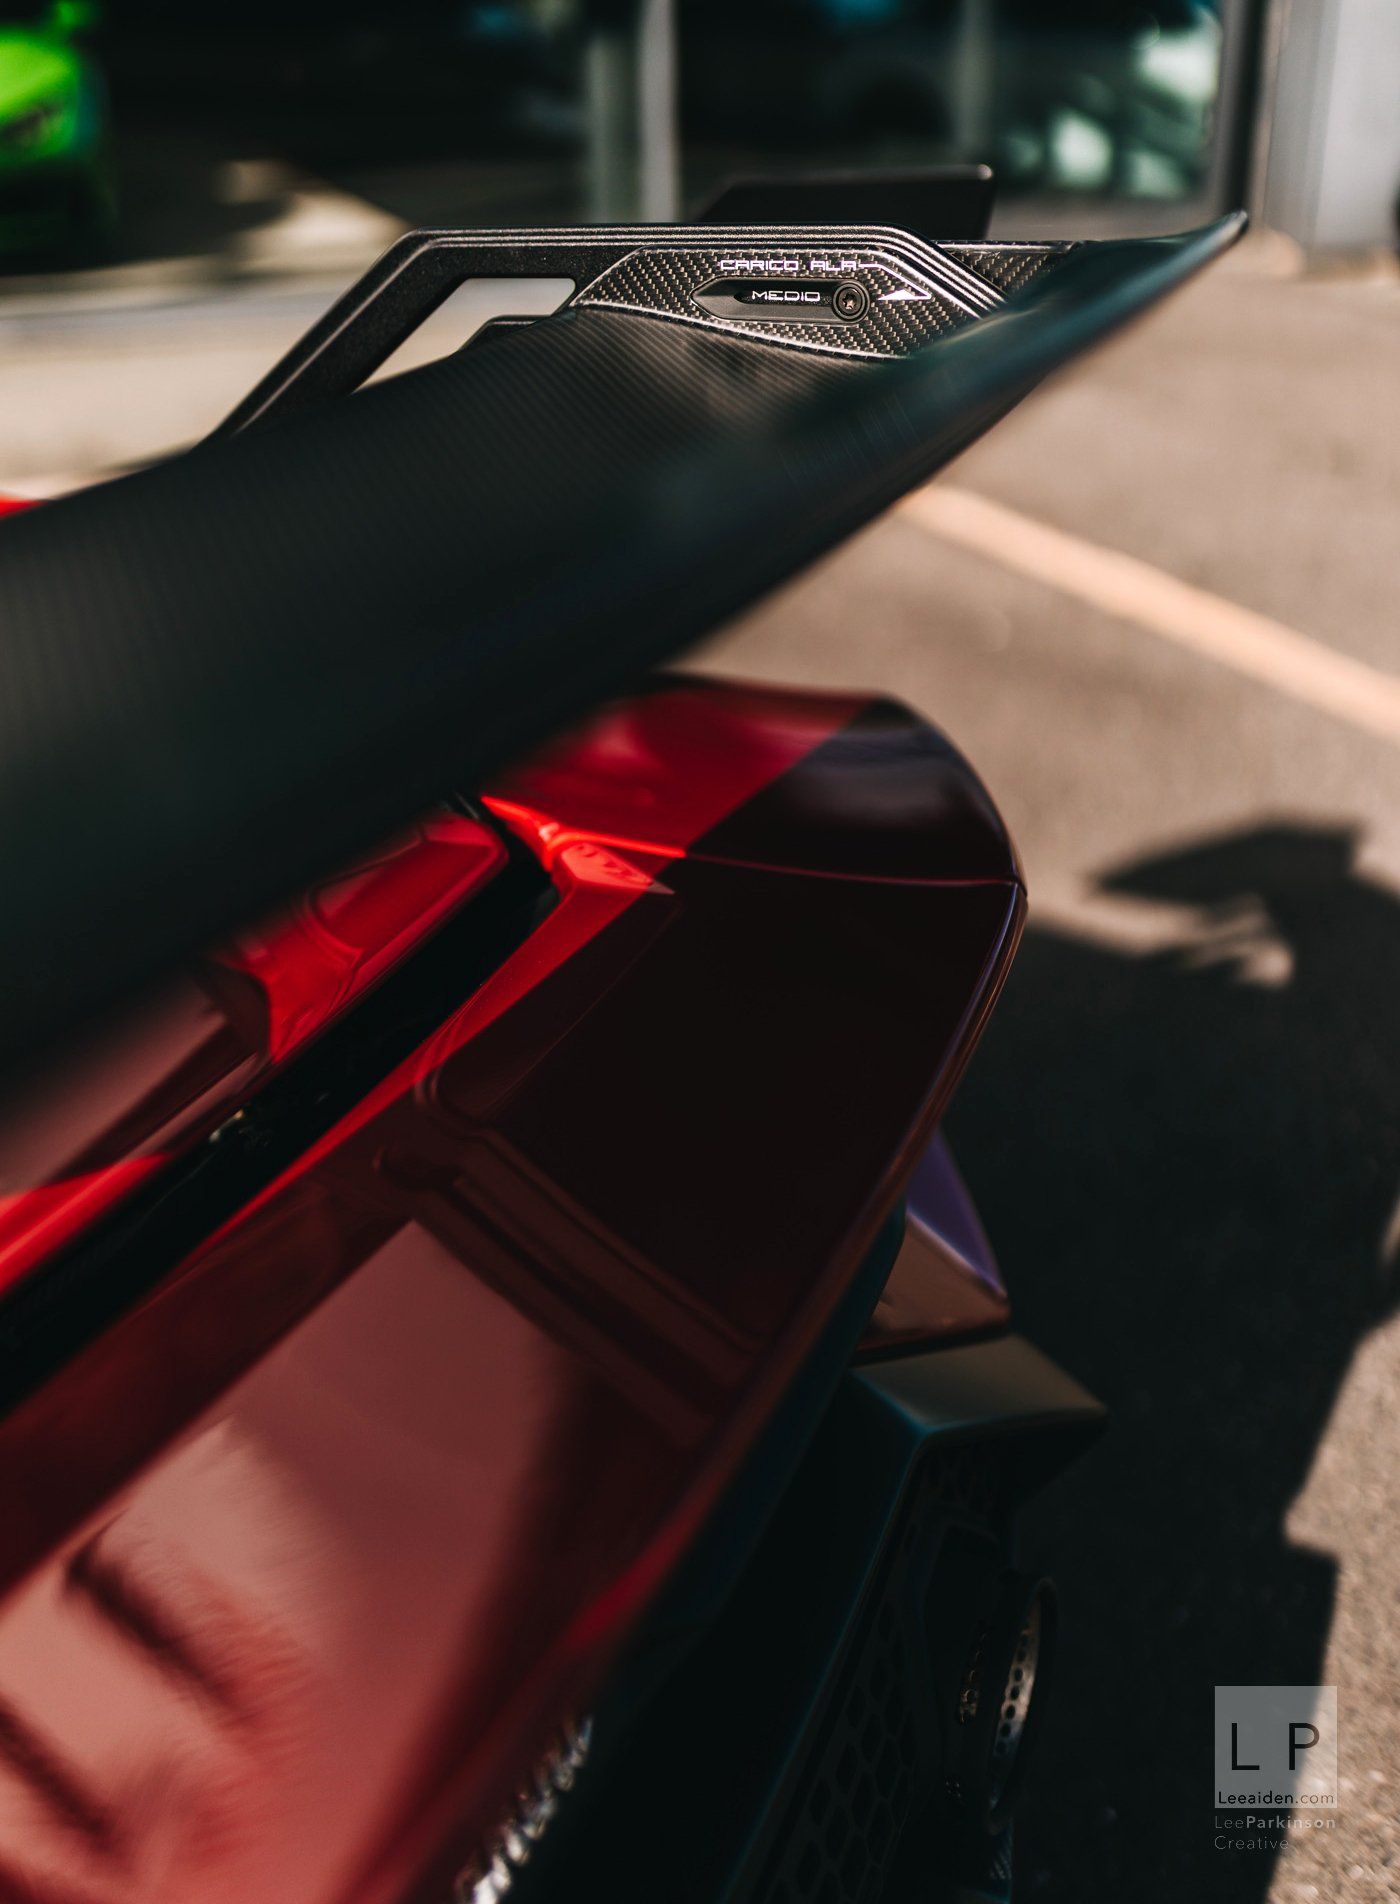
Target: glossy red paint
column 309, row 1553
column 141, row 1092
column 310, row 961
column 827, row 783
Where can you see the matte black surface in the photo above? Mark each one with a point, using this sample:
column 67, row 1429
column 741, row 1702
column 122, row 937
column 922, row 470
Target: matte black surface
column 798, row 1749
column 222, row 676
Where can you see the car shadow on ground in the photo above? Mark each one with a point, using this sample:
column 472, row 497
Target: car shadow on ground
column 1189, row 1176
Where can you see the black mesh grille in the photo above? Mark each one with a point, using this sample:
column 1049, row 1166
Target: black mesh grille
column 865, row 1775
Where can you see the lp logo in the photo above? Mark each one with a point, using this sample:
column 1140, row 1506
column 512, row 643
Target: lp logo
column 1302, row 1736
column 1276, row 1745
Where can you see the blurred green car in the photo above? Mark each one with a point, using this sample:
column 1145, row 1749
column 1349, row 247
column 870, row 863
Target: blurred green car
column 56, row 191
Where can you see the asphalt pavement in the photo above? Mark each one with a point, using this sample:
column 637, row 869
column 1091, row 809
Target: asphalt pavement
column 1184, row 1125
column 1183, row 1128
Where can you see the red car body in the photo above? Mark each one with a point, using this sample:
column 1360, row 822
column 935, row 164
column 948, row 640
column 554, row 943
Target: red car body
column 313, row 1552
column 507, row 1325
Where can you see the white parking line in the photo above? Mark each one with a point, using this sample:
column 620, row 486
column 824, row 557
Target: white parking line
column 1135, row 591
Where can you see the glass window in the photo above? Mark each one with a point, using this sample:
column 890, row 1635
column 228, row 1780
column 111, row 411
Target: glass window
column 1113, row 98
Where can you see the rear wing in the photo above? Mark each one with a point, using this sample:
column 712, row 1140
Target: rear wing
column 221, row 676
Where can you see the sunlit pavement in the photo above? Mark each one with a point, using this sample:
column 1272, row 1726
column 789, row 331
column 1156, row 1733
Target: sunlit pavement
column 1184, row 1128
